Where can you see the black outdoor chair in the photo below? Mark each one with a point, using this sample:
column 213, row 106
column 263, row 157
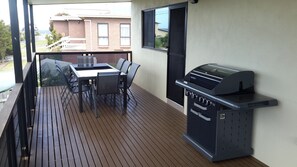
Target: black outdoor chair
column 70, row 89
column 125, row 66
column 106, row 84
column 130, row 77
column 66, row 70
column 120, row 63
column 85, row 61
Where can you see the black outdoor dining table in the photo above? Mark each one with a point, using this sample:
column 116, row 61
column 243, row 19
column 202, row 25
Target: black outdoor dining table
column 90, row 73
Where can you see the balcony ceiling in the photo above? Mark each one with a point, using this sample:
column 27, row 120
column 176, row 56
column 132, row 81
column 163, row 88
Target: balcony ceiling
column 48, row 2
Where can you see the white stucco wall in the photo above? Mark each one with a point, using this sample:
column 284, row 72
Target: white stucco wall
column 252, row 34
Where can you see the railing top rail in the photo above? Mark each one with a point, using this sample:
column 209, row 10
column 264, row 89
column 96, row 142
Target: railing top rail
column 8, row 107
column 77, row 39
column 54, row 44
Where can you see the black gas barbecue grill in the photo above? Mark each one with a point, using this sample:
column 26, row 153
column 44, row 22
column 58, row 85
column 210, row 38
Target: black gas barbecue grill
column 220, row 110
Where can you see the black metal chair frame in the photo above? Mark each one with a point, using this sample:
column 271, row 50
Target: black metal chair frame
column 106, row 84
column 70, row 77
column 70, row 89
column 120, row 63
column 125, row 66
column 130, row 77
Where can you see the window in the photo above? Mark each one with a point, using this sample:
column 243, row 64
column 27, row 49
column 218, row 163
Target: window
column 155, row 28
column 103, row 34
column 125, row 34
column 148, row 29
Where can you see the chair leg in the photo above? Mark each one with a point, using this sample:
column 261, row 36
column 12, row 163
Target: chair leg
column 64, row 96
column 132, row 96
column 114, row 100
column 63, row 90
column 95, row 104
column 66, row 100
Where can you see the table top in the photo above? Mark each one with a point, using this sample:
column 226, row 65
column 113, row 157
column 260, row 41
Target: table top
column 91, row 72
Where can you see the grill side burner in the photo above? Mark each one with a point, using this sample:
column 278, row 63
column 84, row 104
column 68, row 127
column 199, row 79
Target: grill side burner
column 220, row 126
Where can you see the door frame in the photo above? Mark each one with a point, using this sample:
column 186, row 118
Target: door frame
column 176, row 6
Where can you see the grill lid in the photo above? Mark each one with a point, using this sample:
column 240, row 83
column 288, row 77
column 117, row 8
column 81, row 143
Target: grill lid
column 218, row 80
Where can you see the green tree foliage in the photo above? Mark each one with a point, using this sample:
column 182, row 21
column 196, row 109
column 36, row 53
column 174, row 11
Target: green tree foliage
column 161, row 42
column 5, row 40
column 54, row 36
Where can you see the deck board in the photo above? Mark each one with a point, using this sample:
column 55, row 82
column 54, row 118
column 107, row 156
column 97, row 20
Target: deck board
column 149, row 134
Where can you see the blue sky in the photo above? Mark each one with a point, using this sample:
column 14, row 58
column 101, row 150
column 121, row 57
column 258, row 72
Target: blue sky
column 162, row 17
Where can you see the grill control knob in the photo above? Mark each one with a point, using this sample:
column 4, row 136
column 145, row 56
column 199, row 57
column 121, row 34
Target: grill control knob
column 200, row 99
column 207, row 102
column 193, row 96
column 187, row 93
column 203, row 100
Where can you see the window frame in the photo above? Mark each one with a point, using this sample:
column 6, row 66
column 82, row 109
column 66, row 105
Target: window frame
column 98, row 30
column 153, row 27
column 125, row 37
column 144, row 28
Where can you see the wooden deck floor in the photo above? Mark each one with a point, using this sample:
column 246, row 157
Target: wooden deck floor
column 149, row 134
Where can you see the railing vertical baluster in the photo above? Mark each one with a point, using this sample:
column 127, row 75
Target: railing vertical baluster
column 28, row 92
column 22, row 124
column 11, row 147
column 32, row 87
column 35, row 81
column 40, row 77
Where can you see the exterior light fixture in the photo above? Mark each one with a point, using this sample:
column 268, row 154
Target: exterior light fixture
column 193, row 1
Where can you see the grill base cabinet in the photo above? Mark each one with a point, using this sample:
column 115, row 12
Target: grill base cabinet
column 221, row 101
column 219, row 133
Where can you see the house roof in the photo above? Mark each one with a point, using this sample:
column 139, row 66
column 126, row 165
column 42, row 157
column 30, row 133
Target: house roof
column 81, row 17
column 64, row 18
column 104, row 16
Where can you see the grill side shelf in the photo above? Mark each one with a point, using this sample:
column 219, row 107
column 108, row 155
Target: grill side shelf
column 235, row 101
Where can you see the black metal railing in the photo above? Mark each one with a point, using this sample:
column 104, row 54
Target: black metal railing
column 16, row 118
column 48, row 75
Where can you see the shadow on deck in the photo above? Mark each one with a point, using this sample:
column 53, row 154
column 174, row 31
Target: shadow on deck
column 149, row 134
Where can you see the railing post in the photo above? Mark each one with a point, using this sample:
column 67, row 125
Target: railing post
column 32, row 29
column 10, row 141
column 17, row 60
column 27, row 31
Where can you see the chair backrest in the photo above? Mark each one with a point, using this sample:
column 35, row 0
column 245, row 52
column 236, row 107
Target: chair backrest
column 125, row 66
column 64, row 70
column 120, row 63
column 107, row 83
column 131, row 73
column 85, row 61
column 64, row 77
